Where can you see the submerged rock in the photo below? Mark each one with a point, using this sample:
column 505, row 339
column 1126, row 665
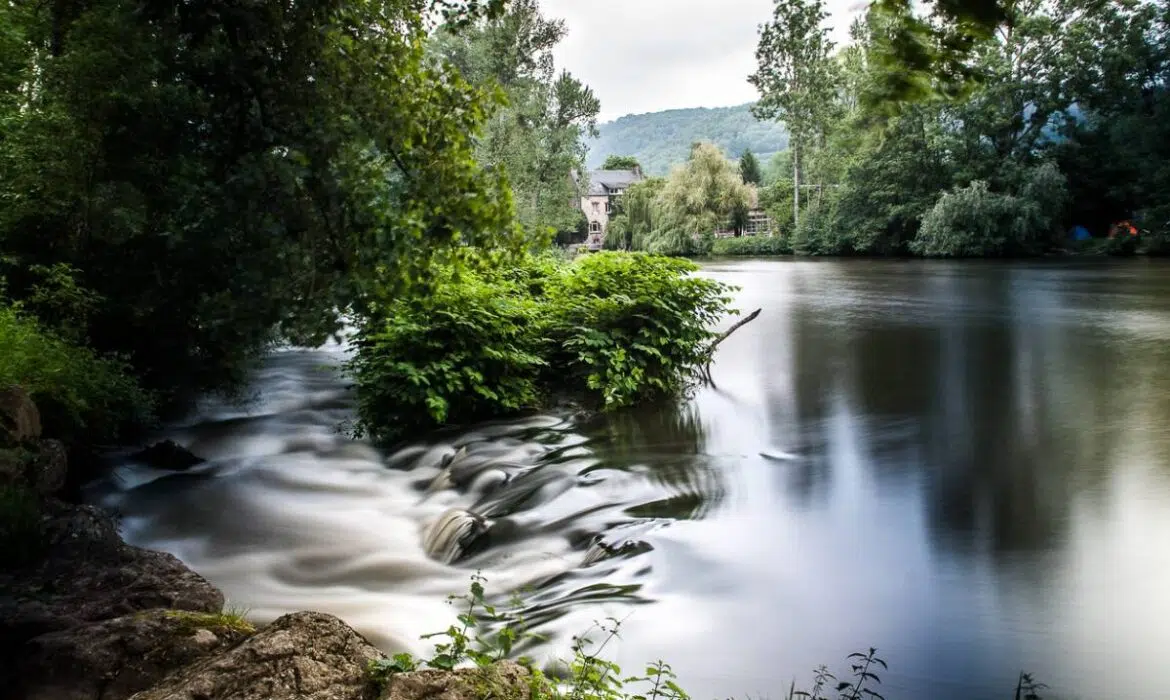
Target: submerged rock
column 302, row 656
column 505, row 680
column 168, row 454
column 113, row 659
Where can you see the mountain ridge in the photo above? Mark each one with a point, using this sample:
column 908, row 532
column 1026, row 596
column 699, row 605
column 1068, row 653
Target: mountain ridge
column 662, row 139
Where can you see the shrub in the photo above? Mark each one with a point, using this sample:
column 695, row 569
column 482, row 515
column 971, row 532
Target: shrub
column 752, row 245
column 630, row 327
column 973, row 221
column 612, row 329
column 466, row 350
column 81, row 396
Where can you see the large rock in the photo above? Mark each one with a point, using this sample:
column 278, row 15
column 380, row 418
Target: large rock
column 47, row 470
column 114, row 659
column 302, row 656
column 502, row 681
column 88, row 575
column 20, row 421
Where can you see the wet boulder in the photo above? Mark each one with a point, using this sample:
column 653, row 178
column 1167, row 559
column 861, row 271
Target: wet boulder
column 168, row 455
column 113, row 659
column 89, row 574
column 301, row 656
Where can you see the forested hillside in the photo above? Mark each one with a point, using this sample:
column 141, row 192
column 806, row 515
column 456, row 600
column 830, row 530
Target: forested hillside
column 661, row 139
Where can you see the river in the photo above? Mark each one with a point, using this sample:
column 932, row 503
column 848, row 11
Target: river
column 965, row 465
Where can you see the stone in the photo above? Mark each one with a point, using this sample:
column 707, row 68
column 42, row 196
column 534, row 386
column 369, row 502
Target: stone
column 89, row 574
column 113, row 659
column 301, row 656
column 20, row 421
column 169, row 455
column 47, row 470
column 505, row 680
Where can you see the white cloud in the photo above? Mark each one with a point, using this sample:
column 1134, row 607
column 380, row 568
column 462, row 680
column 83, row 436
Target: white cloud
column 651, row 55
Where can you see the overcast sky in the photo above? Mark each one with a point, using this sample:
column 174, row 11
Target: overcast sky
column 650, row 55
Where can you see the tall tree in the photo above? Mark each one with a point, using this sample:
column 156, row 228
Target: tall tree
column 796, row 77
column 537, row 137
column 749, row 168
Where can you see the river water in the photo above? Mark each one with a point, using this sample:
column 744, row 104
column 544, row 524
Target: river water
column 965, row 465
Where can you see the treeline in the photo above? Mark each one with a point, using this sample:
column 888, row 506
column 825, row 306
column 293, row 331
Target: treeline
column 1061, row 122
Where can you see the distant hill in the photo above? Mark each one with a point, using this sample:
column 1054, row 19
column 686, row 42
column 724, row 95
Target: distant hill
column 661, row 139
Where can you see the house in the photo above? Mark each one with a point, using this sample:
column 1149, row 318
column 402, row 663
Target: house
column 605, row 186
column 758, row 222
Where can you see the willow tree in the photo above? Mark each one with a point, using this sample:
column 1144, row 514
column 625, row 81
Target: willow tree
column 796, row 77
column 698, row 198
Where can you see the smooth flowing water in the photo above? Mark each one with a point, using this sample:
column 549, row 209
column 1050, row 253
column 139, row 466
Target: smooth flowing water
column 965, row 465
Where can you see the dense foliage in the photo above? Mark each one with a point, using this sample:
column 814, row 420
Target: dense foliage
column 1065, row 126
column 221, row 177
column 611, row 329
column 82, row 397
column 661, row 140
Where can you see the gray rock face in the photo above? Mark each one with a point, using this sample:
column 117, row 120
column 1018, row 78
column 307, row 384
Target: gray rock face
column 502, row 681
column 113, row 659
column 302, row 656
column 88, row 576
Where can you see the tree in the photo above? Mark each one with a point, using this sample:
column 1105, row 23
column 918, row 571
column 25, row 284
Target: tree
column 621, row 163
column 749, row 168
column 697, row 199
column 223, row 176
column 537, row 136
column 796, row 77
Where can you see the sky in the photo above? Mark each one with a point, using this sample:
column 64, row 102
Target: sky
column 650, row 55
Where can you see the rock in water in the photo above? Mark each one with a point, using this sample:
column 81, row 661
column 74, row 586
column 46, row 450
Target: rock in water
column 302, row 656
column 167, row 454
column 113, row 659
column 449, row 537
column 505, row 680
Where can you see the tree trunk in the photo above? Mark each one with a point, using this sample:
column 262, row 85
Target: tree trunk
column 795, row 189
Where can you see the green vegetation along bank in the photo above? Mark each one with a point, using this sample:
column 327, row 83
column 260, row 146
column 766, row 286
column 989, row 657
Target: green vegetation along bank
column 1048, row 132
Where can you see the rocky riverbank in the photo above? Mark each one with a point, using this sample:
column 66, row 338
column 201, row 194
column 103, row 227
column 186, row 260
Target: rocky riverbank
column 88, row 617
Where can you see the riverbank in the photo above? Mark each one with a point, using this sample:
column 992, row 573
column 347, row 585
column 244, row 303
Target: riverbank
column 777, row 246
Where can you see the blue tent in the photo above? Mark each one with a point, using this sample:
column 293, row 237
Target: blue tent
column 1079, row 233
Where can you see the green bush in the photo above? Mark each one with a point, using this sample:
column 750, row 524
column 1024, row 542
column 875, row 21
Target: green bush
column 973, row 221
column 628, row 328
column 610, row 329
column 82, row 397
column 467, row 350
column 752, row 245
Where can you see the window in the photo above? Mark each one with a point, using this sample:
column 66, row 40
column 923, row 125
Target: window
column 594, row 226
column 597, row 207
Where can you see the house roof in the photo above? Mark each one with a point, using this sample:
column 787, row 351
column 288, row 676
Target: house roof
column 602, row 182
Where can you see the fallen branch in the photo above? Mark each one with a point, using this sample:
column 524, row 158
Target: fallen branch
column 706, row 372
column 734, row 327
